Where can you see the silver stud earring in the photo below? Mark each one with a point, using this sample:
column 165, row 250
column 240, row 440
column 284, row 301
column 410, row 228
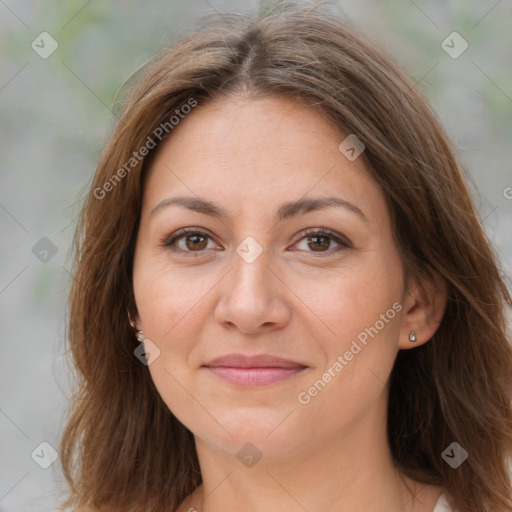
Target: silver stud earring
column 139, row 335
column 412, row 336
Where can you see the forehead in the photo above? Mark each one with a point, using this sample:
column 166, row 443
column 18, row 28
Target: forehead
column 249, row 153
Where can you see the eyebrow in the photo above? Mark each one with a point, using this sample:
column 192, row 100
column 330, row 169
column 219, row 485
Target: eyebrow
column 286, row 210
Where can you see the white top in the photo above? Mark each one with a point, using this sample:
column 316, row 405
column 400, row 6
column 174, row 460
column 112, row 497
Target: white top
column 442, row 504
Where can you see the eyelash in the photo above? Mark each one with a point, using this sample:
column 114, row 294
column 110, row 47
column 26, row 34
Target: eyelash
column 169, row 241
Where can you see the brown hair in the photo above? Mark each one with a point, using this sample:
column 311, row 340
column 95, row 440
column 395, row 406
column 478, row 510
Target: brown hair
column 122, row 449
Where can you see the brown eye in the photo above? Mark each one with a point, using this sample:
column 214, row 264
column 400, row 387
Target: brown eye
column 194, row 242
column 188, row 241
column 319, row 243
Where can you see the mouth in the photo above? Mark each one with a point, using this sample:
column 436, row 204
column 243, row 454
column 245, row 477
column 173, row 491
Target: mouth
column 254, row 371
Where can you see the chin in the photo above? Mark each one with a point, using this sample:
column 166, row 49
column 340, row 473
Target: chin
column 274, row 433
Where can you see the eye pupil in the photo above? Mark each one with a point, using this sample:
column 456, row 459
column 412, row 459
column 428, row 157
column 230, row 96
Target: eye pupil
column 195, row 241
column 325, row 245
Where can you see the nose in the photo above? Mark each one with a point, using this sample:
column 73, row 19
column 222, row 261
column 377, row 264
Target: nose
column 252, row 298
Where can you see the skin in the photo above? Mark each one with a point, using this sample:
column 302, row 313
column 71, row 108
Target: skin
column 301, row 300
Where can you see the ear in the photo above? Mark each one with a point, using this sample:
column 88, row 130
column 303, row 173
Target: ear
column 134, row 320
column 424, row 308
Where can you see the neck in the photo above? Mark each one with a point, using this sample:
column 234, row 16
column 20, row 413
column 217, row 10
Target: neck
column 353, row 471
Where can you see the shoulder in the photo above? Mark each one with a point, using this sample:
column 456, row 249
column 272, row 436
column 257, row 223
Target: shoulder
column 191, row 503
column 443, row 504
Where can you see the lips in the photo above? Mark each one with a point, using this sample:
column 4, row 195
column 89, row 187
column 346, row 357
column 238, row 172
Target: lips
column 259, row 361
column 259, row 370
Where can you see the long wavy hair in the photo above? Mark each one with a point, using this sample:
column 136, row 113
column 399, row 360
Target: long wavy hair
column 122, row 449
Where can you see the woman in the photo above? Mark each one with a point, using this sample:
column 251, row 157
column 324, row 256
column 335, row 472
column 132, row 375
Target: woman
column 284, row 298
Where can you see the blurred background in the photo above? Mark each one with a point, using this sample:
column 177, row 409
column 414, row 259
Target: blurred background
column 61, row 64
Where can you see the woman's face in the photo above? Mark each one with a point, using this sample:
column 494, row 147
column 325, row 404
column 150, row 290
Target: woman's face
column 269, row 332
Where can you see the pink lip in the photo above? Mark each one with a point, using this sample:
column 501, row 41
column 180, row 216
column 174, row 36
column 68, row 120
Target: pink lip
column 258, row 370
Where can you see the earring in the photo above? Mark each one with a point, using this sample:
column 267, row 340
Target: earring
column 412, row 336
column 139, row 335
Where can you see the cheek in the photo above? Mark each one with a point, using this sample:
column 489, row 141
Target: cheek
column 361, row 316
column 362, row 310
column 172, row 312
column 166, row 297
column 354, row 299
